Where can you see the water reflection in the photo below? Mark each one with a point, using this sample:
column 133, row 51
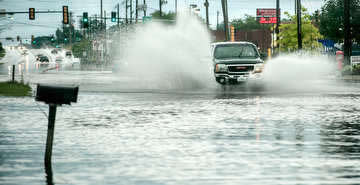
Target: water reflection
column 49, row 174
column 341, row 138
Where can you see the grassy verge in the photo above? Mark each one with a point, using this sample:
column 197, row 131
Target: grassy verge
column 2, row 54
column 14, row 89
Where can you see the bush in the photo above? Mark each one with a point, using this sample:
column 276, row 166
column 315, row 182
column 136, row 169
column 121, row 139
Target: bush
column 2, row 51
column 356, row 69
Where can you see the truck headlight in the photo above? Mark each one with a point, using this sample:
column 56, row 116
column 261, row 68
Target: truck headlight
column 258, row 68
column 220, row 68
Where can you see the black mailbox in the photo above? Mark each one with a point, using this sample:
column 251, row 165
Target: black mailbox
column 56, row 94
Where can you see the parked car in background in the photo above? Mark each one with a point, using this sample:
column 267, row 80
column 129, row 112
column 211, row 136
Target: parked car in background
column 236, row 62
column 68, row 54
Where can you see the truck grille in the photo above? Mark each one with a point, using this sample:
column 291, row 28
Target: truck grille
column 240, row 68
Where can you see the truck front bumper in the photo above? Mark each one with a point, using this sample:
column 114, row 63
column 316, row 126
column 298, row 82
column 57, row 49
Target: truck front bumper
column 224, row 78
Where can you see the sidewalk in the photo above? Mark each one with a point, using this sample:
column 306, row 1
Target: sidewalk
column 350, row 77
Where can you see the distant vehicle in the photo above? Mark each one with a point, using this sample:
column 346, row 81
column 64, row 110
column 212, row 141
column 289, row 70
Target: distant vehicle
column 236, row 62
column 54, row 51
column 68, row 54
column 25, row 52
column 43, row 61
column 58, row 60
column 37, row 57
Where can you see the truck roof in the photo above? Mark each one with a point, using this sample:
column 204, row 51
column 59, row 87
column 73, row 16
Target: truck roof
column 238, row 42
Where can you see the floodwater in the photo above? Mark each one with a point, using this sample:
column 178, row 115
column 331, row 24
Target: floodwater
column 119, row 134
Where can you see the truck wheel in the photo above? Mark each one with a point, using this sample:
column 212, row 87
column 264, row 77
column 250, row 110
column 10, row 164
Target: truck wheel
column 221, row 81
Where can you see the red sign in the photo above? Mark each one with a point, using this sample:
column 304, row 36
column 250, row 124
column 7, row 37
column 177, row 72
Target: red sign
column 267, row 20
column 266, row 15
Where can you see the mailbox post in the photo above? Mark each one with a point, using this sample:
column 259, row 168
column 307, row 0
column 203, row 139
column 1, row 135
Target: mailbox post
column 53, row 96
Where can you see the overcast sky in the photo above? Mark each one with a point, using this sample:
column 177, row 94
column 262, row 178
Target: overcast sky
column 46, row 24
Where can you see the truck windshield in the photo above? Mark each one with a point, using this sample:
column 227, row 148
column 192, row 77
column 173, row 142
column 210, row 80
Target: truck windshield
column 228, row 51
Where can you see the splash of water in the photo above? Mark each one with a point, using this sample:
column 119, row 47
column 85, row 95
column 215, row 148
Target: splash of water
column 169, row 56
column 299, row 71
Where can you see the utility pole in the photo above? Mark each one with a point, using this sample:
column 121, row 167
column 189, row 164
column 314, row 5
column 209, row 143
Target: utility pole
column 70, row 26
column 175, row 6
column 131, row 11
column 126, row 12
column 206, row 4
column 105, row 43
column 347, row 32
column 277, row 31
column 299, row 24
column 160, row 5
column 101, row 11
column 136, row 10
column 217, row 20
column 144, row 7
column 225, row 15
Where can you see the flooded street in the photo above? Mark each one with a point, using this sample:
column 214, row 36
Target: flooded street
column 121, row 132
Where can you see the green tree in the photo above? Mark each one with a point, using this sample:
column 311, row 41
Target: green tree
column 288, row 33
column 248, row 23
column 64, row 35
column 332, row 19
column 166, row 16
column 80, row 47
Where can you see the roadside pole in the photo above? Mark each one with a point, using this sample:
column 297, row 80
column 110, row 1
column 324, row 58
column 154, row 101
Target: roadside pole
column 131, row 11
column 299, row 25
column 277, row 31
column 118, row 15
column 136, row 10
column 226, row 24
column 160, row 7
column 347, row 33
column 206, row 4
column 126, row 12
column 145, row 8
column 13, row 74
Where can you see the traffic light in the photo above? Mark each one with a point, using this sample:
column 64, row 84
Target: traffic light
column 85, row 20
column 32, row 13
column 52, row 39
column 65, row 14
column 113, row 16
column 33, row 41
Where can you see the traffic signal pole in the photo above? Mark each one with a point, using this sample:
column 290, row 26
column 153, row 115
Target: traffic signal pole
column 118, row 14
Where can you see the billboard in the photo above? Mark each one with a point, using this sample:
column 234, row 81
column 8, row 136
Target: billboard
column 266, row 15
